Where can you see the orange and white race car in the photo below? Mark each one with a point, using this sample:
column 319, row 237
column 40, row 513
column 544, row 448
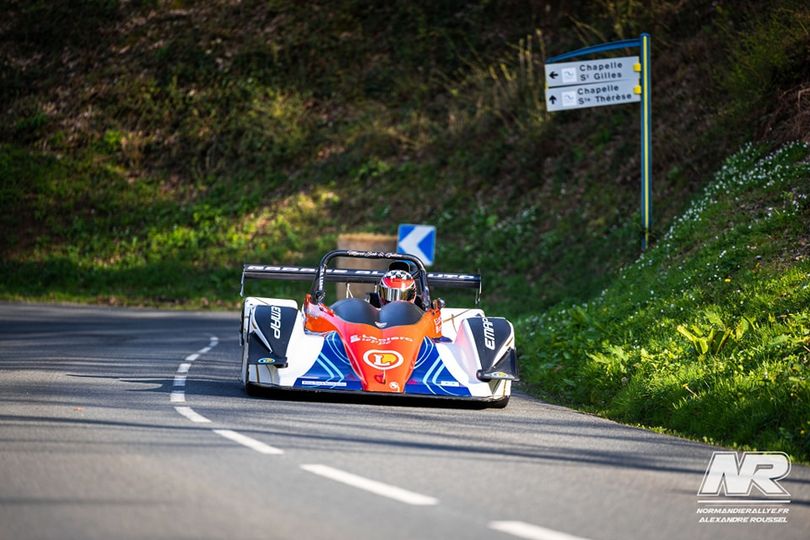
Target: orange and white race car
column 396, row 342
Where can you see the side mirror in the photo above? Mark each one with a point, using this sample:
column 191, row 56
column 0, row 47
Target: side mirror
column 439, row 303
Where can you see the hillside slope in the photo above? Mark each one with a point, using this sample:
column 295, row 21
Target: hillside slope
column 708, row 334
column 141, row 141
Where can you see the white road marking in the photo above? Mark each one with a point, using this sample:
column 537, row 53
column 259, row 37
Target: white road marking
column 244, row 440
column 178, row 395
column 192, row 415
column 529, row 531
column 385, row 490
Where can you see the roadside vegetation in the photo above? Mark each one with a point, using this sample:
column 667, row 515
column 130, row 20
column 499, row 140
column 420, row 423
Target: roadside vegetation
column 707, row 334
column 149, row 148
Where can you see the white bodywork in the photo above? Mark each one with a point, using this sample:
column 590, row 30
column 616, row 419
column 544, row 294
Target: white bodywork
column 459, row 353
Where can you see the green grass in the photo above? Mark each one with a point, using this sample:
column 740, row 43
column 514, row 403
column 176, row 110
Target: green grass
column 707, row 334
column 90, row 234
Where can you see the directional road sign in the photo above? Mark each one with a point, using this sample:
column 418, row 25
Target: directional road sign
column 584, row 96
column 624, row 68
column 608, row 81
column 418, row 240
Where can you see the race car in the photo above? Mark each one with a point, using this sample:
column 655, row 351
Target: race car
column 413, row 346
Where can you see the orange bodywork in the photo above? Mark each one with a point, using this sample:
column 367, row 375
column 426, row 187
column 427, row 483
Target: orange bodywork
column 382, row 358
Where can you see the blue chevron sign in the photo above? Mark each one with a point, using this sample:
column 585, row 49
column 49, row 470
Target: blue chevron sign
column 417, row 240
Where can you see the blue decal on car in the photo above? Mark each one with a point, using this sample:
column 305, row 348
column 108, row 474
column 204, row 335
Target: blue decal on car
column 331, row 369
column 431, row 376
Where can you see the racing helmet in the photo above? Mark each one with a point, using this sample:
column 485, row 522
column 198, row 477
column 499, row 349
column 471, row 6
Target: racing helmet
column 396, row 285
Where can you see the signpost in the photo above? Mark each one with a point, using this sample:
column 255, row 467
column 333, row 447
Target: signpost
column 592, row 95
column 417, row 240
column 593, row 71
column 604, row 82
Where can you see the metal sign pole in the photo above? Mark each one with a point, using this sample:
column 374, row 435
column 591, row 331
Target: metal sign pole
column 607, row 81
column 646, row 140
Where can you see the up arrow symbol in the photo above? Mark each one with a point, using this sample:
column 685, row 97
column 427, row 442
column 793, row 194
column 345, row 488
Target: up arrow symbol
column 553, row 99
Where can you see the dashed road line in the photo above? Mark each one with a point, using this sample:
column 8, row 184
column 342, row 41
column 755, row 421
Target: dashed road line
column 192, row 415
column 378, row 488
column 251, row 443
column 529, row 531
column 178, row 394
column 515, row 528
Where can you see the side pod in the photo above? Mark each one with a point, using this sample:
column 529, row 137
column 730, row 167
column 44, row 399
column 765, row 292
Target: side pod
column 503, row 369
column 495, row 346
column 267, row 326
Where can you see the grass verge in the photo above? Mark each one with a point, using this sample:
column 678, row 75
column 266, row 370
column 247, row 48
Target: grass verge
column 708, row 334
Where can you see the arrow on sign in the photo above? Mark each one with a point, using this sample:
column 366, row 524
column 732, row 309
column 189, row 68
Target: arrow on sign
column 418, row 240
column 553, row 74
column 553, row 99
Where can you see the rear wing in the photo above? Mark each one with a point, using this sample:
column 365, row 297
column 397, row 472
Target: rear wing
column 351, row 275
column 322, row 274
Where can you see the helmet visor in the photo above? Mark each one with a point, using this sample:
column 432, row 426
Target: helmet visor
column 391, row 294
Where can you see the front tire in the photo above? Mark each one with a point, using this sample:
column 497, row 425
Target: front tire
column 499, row 404
column 252, row 390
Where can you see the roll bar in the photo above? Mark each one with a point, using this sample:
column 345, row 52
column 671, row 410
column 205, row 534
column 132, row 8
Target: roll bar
column 318, row 290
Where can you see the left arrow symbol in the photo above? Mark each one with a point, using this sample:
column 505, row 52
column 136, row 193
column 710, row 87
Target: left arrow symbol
column 553, row 74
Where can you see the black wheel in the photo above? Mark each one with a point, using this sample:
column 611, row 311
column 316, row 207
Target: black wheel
column 499, row 404
column 252, row 389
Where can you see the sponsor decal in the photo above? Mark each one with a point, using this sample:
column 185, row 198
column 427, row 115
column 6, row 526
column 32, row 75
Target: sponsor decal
column 383, row 360
column 381, row 324
column 744, row 488
column 451, row 276
column 275, row 321
column 322, row 383
column 264, row 361
column 378, row 341
column 489, row 334
column 454, row 384
column 384, row 254
column 394, row 386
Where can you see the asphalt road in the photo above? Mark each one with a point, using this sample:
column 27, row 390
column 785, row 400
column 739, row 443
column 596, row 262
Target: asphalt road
column 132, row 424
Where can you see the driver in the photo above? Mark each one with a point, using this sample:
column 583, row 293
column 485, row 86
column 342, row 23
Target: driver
column 396, row 285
